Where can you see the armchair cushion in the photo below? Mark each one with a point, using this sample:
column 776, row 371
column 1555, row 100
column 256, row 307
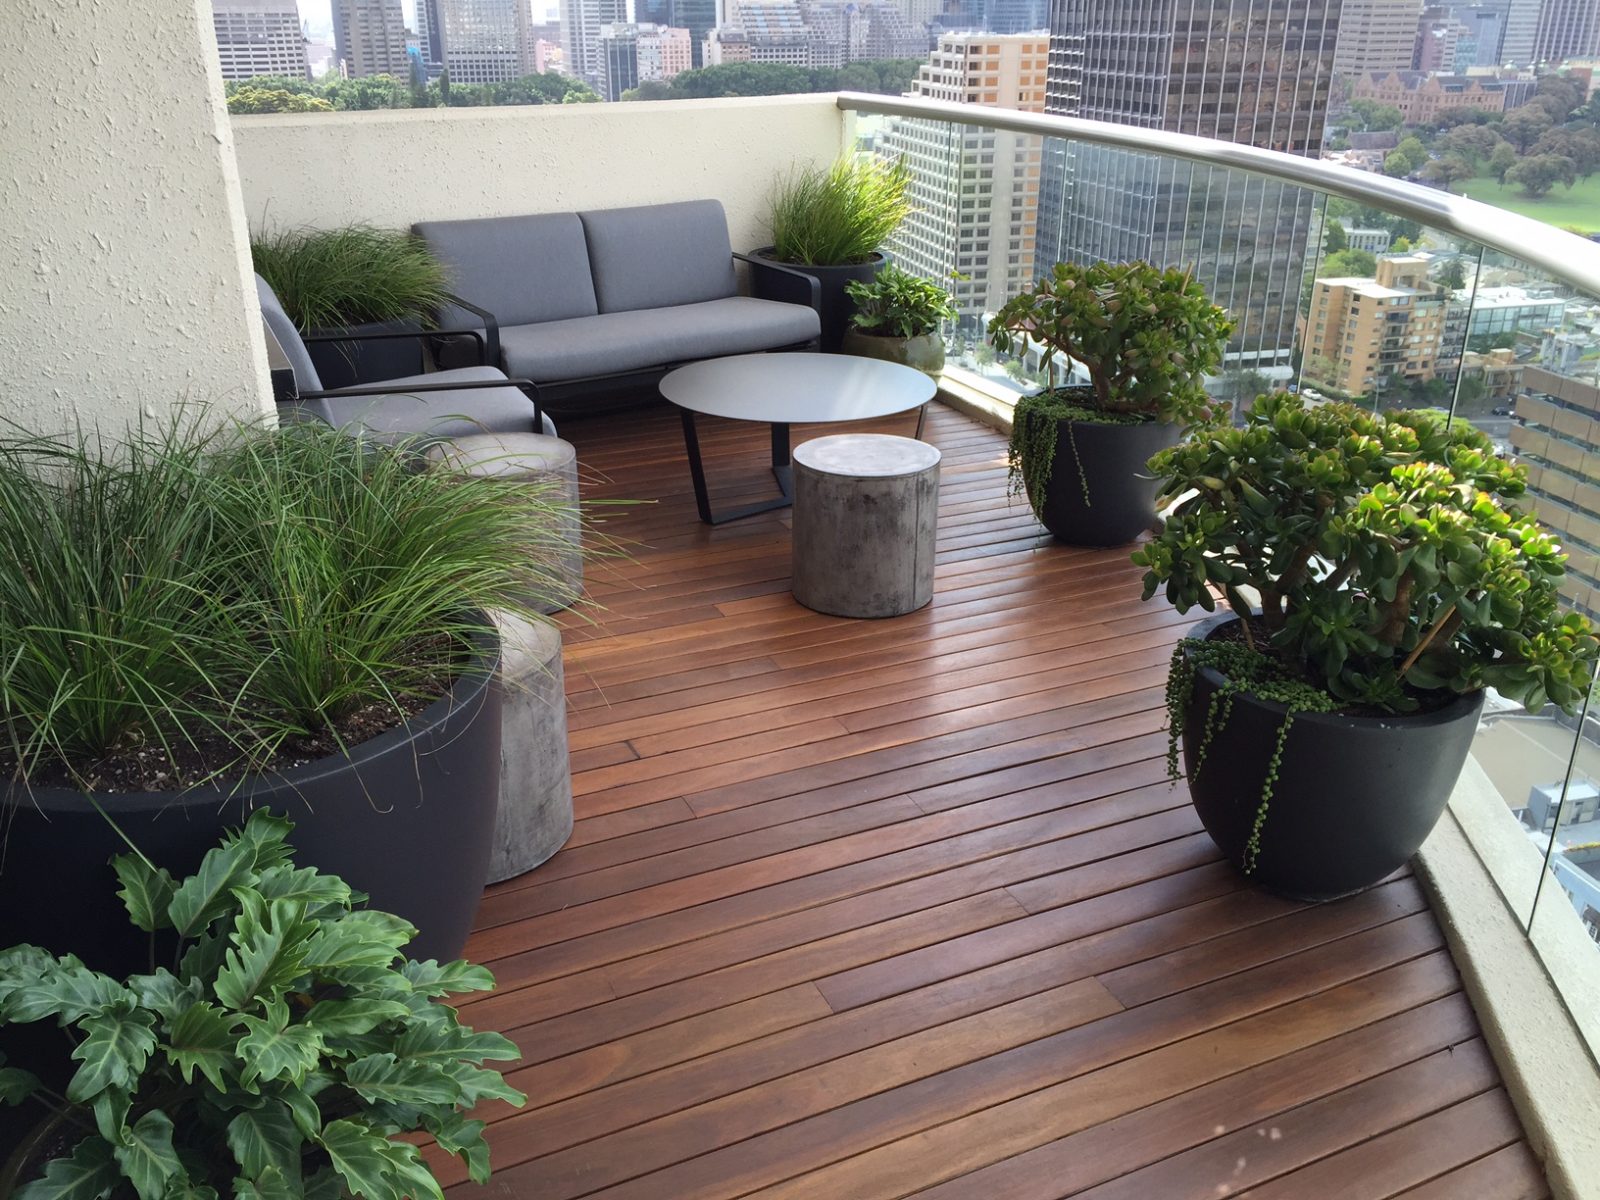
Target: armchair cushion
column 432, row 415
column 658, row 255
column 522, row 269
column 632, row 341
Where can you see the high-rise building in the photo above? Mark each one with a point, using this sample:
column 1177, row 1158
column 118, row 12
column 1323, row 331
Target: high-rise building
column 975, row 190
column 1567, row 29
column 430, row 36
column 481, row 39
column 1366, row 336
column 632, row 54
column 259, row 37
column 1437, row 36
column 580, row 29
column 1485, row 26
column 1252, row 71
column 1562, row 485
column 369, row 37
column 1376, row 35
column 1521, row 31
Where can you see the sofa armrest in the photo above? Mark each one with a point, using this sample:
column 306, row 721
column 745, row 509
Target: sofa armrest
column 794, row 287
column 485, row 330
column 527, row 387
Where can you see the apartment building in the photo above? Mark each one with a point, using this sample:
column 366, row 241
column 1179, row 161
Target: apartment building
column 632, row 54
column 369, row 38
column 259, row 37
column 1374, row 333
column 1375, row 35
column 1558, row 422
column 482, row 39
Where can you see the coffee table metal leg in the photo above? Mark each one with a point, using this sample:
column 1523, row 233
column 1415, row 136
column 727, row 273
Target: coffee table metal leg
column 922, row 419
column 781, row 471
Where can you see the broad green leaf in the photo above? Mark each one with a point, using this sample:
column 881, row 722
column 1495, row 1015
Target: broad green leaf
column 185, row 1189
column 164, row 993
column 284, row 882
column 208, row 893
column 463, row 1138
column 348, row 1018
column 16, row 1085
column 274, row 1049
column 431, row 979
column 303, row 1110
column 268, row 954
column 203, row 1038
column 376, row 1168
column 88, row 1173
column 266, row 835
column 445, row 1040
column 113, row 1052
column 147, row 1157
column 111, row 1114
column 271, row 1184
column 203, row 959
column 480, row 1083
column 361, row 939
column 146, row 891
column 325, row 1185
column 265, row 1139
column 384, row 1078
column 67, row 990
column 22, row 964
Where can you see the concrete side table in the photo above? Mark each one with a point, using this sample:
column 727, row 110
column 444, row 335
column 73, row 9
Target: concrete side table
column 535, row 817
column 866, row 509
column 539, row 459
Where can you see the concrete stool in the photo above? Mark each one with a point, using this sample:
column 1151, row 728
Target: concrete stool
column 535, row 458
column 535, row 817
column 866, row 508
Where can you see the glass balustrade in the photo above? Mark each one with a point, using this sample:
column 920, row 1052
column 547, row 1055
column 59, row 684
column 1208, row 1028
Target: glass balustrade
column 1340, row 298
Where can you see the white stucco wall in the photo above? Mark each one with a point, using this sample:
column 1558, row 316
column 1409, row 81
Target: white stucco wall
column 123, row 259
column 393, row 168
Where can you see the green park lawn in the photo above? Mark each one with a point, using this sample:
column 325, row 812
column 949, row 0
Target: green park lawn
column 1578, row 208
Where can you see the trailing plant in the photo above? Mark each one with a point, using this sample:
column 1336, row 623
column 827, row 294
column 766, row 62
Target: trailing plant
column 202, row 598
column 1243, row 671
column 899, row 304
column 279, row 1051
column 832, row 216
column 328, row 278
column 1147, row 338
column 1388, row 553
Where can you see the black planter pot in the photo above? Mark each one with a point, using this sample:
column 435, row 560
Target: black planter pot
column 1115, row 477
column 837, row 307
column 407, row 817
column 1355, row 796
column 347, row 363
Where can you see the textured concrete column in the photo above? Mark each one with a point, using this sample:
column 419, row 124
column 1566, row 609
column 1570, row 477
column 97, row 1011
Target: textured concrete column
column 125, row 286
column 549, row 464
column 535, row 817
column 866, row 510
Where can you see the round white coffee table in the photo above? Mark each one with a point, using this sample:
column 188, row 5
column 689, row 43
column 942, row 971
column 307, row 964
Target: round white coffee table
column 782, row 390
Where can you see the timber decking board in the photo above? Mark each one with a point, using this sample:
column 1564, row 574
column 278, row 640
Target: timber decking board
column 879, row 909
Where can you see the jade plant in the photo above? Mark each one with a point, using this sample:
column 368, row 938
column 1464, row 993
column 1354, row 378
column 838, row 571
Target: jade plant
column 898, row 304
column 280, row 1051
column 1377, row 563
column 1147, row 337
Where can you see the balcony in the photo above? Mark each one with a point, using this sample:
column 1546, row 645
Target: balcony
column 883, row 909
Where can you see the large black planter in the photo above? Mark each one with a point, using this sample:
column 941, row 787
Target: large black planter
column 352, row 361
column 836, row 306
column 1355, row 796
column 407, row 817
column 1113, row 500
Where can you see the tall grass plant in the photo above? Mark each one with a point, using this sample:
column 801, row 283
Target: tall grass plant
column 329, row 278
column 837, row 215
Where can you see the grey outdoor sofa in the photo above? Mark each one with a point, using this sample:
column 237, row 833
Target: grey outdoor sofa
column 593, row 304
column 438, row 406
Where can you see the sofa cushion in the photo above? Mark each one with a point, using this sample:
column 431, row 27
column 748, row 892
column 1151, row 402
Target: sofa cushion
column 658, row 255
column 433, row 415
column 522, row 269
column 277, row 320
column 657, row 337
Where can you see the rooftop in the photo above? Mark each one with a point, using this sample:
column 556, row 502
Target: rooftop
column 859, row 909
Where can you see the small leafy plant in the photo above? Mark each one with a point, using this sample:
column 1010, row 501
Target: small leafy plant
column 1146, row 336
column 831, row 216
column 899, row 304
column 1389, row 558
column 280, row 1055
column 329, row 278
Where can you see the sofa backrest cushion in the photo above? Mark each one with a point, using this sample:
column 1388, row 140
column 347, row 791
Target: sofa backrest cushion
column 523, row 269
column 306, row 378
column 659, row 255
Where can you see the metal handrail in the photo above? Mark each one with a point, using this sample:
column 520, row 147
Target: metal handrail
column 1565, row 256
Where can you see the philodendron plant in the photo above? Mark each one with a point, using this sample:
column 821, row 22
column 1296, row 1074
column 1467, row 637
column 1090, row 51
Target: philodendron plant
column 279, row 1055
column 1147, row 336
column 1389, row 555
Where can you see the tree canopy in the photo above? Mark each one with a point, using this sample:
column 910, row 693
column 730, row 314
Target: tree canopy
column 271, row 93
column 889, row 76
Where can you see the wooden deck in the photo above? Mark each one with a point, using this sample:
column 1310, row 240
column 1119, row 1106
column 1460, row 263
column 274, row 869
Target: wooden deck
column 859, row 910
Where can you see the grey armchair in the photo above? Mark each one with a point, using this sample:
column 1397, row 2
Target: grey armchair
column 437, row 406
